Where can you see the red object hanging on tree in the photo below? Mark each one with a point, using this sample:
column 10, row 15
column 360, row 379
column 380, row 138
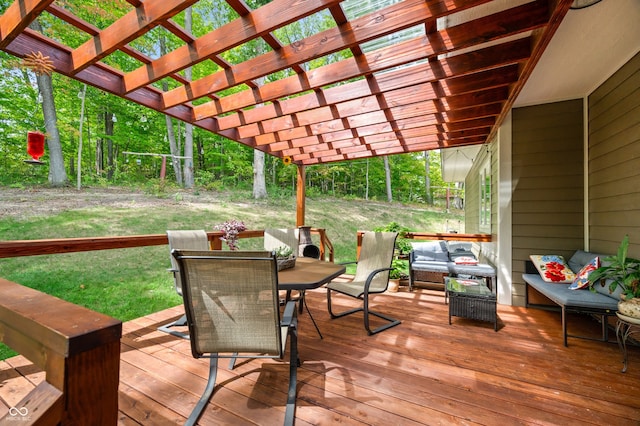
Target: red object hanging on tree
column 35, row 147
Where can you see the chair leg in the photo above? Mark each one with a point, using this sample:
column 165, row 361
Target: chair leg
column 392, row 322
column 206, row 396
column 340, row 314
column 304, row 301
column 180, row 322
column 365, row 309
column 294, row 361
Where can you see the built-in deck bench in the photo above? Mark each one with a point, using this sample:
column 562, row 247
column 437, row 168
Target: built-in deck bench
column 598, row 303
column 78, row 350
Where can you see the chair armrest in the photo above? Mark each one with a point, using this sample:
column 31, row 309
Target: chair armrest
column 373, row 274
column 290, row 314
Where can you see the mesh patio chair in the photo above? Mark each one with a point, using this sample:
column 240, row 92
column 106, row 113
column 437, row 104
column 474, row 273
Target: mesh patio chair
column 233, row 311
column 275, row 238
column 289, row 237
column 185, row 240
column 371, row 277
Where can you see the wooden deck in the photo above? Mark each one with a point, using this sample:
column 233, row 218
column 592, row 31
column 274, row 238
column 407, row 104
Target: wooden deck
column 424, row 371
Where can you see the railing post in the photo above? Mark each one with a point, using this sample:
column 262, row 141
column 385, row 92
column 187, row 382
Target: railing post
column 78, row 349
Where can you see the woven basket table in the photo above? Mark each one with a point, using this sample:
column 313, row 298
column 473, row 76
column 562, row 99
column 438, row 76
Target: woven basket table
column 472, row 299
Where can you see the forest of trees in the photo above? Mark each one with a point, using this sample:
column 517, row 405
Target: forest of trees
column 94, row 137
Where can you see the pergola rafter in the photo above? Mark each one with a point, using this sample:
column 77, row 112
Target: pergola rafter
column 450, row 83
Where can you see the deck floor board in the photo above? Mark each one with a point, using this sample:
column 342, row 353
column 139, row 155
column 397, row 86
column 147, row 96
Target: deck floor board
column 423, row 371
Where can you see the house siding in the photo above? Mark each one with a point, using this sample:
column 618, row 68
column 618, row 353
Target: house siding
column 487, row 251
column 614, row 161
column 547, row 178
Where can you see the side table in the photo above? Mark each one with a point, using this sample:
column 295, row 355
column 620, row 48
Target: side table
column 625, row 327
column 471, row 298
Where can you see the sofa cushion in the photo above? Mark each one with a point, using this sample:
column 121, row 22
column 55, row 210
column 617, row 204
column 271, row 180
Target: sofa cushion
column 604, row 289
column 582, row 277
column 553, row 268
column 433, row 266
column 581, row 258
column 562, row 295
column 430, row 251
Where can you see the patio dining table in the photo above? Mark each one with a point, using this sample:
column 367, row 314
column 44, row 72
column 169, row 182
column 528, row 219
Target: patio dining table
column 307, row 274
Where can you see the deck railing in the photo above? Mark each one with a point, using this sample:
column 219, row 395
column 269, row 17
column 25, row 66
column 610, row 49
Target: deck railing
column 19, row 248
column 78, row 349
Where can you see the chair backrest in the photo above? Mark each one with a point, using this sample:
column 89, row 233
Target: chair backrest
column 376, row 252
column 185, row 240
column 231, row 301
column 275, row 238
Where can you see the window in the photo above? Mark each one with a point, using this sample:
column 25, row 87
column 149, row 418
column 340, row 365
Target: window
column 485, row 197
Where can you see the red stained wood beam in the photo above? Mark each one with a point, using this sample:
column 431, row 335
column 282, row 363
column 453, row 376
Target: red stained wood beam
column 350, row 34
column 131, row 26
column 19, row 16
column 503, row 24
column 258, row 22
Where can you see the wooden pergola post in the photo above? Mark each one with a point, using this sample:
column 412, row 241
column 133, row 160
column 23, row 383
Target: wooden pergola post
column 301, row 195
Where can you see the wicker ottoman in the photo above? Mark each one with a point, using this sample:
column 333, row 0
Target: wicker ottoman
column 471, row 298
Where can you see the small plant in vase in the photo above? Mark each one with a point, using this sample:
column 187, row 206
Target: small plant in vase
column 285, row 257
column 624, row 272
column 231, row 229
column 397, row 274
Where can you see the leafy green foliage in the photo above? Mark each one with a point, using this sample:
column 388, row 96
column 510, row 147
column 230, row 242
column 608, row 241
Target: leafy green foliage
column 218, row 162
column 619, row 270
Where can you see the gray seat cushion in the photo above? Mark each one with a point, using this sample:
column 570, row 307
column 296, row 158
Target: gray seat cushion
column 581, row 258
column 562, row 295
column 430, row 251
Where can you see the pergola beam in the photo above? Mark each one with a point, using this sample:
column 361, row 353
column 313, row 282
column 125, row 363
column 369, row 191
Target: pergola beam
column 258, row 22
column 126, row 29
column 528, row 17
column 17, row 17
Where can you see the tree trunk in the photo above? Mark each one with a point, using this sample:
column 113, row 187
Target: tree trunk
column 57, row 174
column 108, row 131
column 99, row 156
column 366, row 191
column 259, row 183
column 173, row 146
column 427, row 179
column 79, row 171
column 187, row 167
column 259, row 186
column 387, row 175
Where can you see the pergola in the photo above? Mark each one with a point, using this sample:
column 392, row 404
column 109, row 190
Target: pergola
column 386, row 77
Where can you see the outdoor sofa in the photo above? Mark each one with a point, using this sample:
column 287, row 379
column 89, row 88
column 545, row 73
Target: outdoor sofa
column 598, row 303
column 433, row 260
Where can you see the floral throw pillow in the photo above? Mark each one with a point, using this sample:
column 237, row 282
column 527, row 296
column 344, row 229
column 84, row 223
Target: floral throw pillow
column 582, row 278
column 553, row 268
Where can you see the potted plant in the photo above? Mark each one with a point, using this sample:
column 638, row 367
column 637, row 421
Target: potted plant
column 285, row 257
column 403, row 246
column 397, row 274
column 624, row 272
column 230, row 230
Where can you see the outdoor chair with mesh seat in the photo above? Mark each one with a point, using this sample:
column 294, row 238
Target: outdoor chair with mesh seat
column 233, row 311
column 284, row 237
column 185, row 240
column 371, row 277
column 275, row 238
